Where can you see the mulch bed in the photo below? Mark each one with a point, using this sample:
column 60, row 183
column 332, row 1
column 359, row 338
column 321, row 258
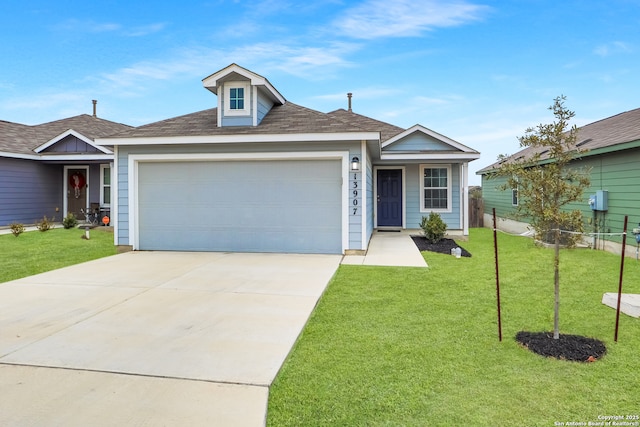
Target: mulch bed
column 575, row 348
column 444, row 246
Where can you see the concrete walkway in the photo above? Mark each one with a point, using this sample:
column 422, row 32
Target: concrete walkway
column 153, row 338
column 389, row 249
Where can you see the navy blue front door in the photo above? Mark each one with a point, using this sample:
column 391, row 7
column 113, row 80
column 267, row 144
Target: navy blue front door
column 389, row 197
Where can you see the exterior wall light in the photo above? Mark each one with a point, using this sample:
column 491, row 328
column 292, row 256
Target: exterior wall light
column 355, row 164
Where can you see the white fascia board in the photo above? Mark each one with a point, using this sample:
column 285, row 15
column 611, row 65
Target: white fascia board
column 75, row 157
column 63, row 157
column 81, row 137
column 431, row 156
column 19, row 156
column 238, row 139
column 431, row 133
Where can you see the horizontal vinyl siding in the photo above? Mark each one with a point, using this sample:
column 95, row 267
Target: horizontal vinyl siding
column 28, row 191
column 413, row 212
column 417, row 142
column 122, row 198
column 618, row 173
column 264, row 105
column 496, row 198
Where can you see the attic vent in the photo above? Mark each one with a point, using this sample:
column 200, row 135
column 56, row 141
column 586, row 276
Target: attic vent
column 580, row 144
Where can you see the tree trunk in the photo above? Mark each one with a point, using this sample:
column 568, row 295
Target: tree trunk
column 556, row 280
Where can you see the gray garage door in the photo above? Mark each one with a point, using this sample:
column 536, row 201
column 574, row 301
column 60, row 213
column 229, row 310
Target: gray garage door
column 248, row 206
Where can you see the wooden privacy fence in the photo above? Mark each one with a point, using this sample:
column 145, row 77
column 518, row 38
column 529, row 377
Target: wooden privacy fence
column 476, row 213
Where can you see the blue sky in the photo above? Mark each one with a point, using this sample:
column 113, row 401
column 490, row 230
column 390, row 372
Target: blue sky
column 479, row 72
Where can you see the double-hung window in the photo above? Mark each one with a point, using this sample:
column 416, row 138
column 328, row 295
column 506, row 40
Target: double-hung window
column 435, row 188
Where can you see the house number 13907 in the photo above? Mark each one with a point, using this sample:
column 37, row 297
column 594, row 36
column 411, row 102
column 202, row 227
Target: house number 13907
column 355, row 192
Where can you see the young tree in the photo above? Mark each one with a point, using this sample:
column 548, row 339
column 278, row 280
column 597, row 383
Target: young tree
column 545, row 184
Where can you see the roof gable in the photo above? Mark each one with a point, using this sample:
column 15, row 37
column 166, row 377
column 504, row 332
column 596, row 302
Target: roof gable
column 33, row 141
column 236, row 72
column 70, row 142
column 421, row 139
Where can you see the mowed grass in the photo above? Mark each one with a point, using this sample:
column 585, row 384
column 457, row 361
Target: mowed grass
column 35, row 252
column 419, row 347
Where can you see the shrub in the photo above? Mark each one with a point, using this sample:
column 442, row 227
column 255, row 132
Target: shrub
column 69, row 221
column 45, row 224
column 16, row 228
column 433, row 227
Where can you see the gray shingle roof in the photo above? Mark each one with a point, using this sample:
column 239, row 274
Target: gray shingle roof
column 23, row 139
column 609, row 132
column 387, row 131
column 281, row 119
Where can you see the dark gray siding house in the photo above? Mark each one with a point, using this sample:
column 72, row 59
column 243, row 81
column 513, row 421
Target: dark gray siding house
column 55, row 168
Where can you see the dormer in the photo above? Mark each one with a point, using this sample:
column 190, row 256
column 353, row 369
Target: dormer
column 244, row 97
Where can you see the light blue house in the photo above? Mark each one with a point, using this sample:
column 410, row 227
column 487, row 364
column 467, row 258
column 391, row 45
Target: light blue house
column 261, row 174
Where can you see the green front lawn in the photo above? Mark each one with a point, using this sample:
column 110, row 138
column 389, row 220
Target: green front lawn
column 410, row 346
column 34, row 252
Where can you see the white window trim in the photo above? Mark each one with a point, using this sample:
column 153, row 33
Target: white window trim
column 514, row 191
column 421, row 177
column 105, row 203
column 227, row 98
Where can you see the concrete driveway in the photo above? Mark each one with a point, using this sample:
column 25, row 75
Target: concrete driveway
column 153, row 338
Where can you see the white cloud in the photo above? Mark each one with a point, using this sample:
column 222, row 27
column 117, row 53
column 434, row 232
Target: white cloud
column 405, row 18
column 308, row 62
column 311, row 63
column 612, row 48
column 90, row 26
column 145, row 30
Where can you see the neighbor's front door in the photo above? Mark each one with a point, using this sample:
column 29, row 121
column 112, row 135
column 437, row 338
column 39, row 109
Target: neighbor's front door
column 76, row 191
column 389, row 197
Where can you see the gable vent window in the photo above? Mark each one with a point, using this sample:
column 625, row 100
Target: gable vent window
column 236, row 98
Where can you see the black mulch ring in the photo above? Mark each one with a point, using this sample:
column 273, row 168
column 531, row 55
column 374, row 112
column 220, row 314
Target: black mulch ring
column 444, row 246
column 575, row 348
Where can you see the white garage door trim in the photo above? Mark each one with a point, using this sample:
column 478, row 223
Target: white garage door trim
column 135, row 159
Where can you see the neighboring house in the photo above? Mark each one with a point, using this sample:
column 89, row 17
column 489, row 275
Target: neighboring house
column 54, row 168
column 261, row 174
column 611, row 155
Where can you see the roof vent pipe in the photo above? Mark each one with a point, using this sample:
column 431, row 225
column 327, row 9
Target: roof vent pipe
column 94, row 107
column 349, row 95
